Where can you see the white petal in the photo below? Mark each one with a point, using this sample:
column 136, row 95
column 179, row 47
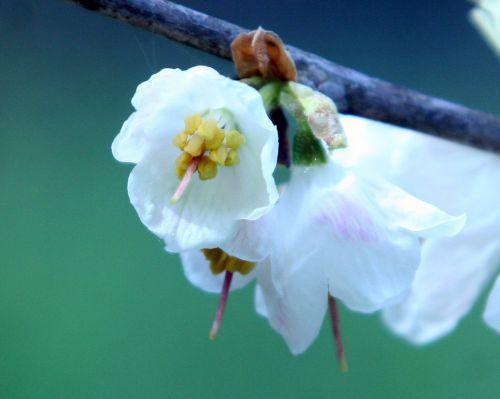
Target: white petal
column 184, row 225
column 209, row 212
column 197, row 271
column 260, row 304
column 454, row 177
column 410, row 213
column 486, row 18
column 144, row 130
column 369, row 261
column 492, row 311
column 297, row 313
column 253, row 242
column 168, row 84
column 450, row 278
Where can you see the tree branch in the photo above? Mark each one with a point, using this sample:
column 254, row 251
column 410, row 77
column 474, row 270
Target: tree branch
column 353, row 92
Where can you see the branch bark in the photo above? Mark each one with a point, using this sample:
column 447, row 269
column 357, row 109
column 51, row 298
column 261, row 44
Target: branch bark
column 353, row 92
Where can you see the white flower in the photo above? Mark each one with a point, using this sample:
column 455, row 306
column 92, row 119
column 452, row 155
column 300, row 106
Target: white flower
column 353, row 237
column 198, row 121
column 486, row 18
column 458, row 179
column 332, row 232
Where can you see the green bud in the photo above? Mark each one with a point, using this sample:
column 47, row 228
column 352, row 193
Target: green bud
column 307, row 149
column 322, row 115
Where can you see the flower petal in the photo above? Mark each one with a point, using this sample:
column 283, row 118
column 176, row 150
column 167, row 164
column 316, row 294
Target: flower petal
column 370, row 261
column 451, row 276
column 411, row 213
column 184, row 225
column 260, row 304
column 454, row 177
column 297, row 313
column 169, row 84
column 492, row 312
column 253, row 242
column 145, row 129
column 486, row 18
column 197, row 271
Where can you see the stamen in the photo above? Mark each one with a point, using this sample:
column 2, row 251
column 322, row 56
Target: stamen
column 335, row 318
column 185, row 180
column 222, row 305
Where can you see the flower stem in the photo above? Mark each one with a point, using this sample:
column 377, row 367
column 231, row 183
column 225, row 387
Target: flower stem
column 185, row 180
column 222, row 305
column 335, row 318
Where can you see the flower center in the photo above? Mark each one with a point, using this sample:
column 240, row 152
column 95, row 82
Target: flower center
column 221, row 261
column 208, row 141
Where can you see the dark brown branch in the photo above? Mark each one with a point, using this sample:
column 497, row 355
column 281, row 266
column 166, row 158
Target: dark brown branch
column 354, row 92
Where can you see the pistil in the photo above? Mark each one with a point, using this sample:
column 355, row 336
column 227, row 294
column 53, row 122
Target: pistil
column 193, row 165
column 335, row 318
column 222, row 305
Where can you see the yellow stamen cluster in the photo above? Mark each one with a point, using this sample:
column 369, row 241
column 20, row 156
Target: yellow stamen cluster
column 221, row 261
column 215, row 146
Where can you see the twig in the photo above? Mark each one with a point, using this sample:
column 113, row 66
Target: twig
column 353, row 92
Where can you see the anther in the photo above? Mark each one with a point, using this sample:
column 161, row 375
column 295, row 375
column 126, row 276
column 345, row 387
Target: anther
column 192, row 123
column 207, row 169
column 195, row 146
column 234, row 139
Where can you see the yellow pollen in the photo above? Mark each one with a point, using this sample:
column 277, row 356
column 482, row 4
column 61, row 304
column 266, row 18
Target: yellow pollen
column 181, row 164
column 208, row 129
column 221, row 261
column 219, row 155
column 216, row 141
column 181, row 140
column 207, row 169
column 232, row 158
column 195, row 146
column 192, row 123
column 234, row 139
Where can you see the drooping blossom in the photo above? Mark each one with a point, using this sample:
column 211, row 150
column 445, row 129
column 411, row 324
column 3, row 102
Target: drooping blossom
column 346, row 235
column 205, row 152
column 459, row 179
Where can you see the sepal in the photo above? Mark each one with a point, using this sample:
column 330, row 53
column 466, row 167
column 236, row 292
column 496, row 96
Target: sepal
column 307, row 149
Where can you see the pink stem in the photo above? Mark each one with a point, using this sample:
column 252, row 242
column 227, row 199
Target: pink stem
column 185, row 180
column 335, row 317
column 222, row 305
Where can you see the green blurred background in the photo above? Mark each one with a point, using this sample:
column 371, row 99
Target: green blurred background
column 92, row 307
